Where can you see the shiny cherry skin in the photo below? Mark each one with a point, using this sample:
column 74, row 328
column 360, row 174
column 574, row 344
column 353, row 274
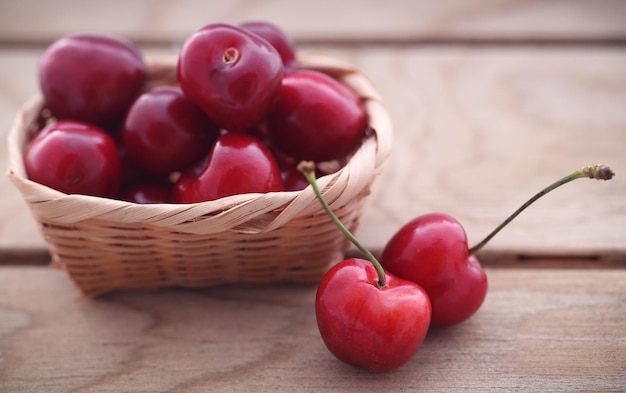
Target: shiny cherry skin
column 231, row 73
column 293, row 179
column 279, row 40
column 238, row 164
column 184, row 190
column 74, row 158
column 431, row 250
column 91, row 77
column 165, row 132
column 316, row 118
column 375, row 328
column 148, row 192
column 460, row 298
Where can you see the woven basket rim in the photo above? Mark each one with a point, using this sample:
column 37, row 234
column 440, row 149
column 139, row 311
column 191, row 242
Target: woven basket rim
column 227, row 212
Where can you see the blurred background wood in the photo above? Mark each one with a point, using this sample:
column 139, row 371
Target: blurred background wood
column 158, row 21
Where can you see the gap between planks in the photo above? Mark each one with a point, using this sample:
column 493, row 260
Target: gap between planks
column 489, row 258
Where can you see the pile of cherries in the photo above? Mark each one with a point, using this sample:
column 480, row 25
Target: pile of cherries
column 244, row 118
column 239, row 117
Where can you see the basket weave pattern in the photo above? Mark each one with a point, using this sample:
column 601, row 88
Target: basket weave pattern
column 106, row 244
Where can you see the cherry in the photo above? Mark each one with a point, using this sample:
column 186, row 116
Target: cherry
column 184, row 190
column 431, row 250
column 279, row 40
column 131, row 172
column 75, row 158
column 148, row 192
column 458, row 299
column 294, row 180
column 91, row 77
column 165, row 132
column 238, row 164
column 232, row 74
column 366, row 316
column 368, row 325
column 316, row 118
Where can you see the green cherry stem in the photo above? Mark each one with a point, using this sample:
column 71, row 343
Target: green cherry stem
column 598, row 172
column 308, row 170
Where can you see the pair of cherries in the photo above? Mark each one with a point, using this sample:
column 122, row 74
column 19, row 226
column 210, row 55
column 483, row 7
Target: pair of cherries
column 376, row 315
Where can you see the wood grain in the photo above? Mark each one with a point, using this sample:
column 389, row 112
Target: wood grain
column 539, row 330
column 477, row 132
column 41, row 21
column 491, row 100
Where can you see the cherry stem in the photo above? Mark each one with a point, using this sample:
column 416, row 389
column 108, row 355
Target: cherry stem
column 598, row 172
column 308, row 170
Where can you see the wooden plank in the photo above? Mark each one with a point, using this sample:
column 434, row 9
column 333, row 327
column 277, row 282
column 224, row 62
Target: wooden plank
column 538, row 330
column 477, row 132
column 17, row 83
column 28, row 21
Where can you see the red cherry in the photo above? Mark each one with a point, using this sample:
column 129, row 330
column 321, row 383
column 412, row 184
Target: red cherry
column 238, row 164
column 367, row 317
column 316, row 118
column 279, row 40
column 232, row 74
column 74, row 158
column 165, row 132
column 459, row 298
column 148, row 192
column 294, row 180
column 131, row 172
column 91, row 77
column 364, row 325
column 184, row 190
column 432, row 251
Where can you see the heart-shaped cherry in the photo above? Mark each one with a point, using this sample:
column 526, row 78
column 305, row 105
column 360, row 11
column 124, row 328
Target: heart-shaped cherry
column 431, row 250
column 367, row 317
column 364, row 324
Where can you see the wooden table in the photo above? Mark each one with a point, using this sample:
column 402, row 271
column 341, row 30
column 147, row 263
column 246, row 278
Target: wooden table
column 491, row 101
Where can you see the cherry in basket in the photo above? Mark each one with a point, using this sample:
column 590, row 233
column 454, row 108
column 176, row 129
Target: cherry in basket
column 316, row 118
column 232, row 74
column 165, row 132
column 91, row 77
column 148, row 191
column 238, row 163
column 279, row 40
column 75, row 158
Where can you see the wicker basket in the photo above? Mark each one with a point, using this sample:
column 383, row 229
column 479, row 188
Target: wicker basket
column 283, row 237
